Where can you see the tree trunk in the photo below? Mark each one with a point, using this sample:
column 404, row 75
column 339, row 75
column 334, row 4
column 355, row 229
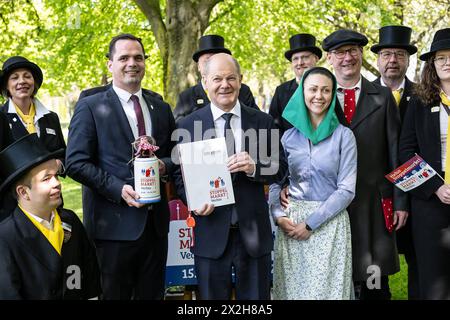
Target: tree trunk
column 177, row 38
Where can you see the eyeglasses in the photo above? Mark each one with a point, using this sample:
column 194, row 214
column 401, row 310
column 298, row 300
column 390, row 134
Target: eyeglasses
column 340, row 54
column 441, row 60
column 387, row 55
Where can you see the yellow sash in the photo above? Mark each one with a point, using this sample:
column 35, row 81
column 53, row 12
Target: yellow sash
column 28, row 118
column 445, row 100
column 55, row 236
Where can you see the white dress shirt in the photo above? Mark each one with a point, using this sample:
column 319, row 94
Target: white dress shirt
column 340, row 92
column 128, row 107
column 235, row 123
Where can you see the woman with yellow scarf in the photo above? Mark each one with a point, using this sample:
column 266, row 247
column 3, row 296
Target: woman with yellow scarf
column 20, row 80
column 425, row 131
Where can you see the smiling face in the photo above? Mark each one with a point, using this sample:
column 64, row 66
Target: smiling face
column 42, row 192
column 127, row 65
column 223, row 81
column 20, row 84
column 393, row 63
column 347, row 62
column 318, row 92
column 300, row 61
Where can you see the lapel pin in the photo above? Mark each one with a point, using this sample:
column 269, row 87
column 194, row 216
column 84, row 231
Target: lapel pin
column 15, row 119
column 407, row 98
column 200, row 101
column 435, row 109
column 151, row 106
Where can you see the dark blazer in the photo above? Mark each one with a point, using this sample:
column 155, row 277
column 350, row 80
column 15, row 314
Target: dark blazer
column 283, row 94
column 31, row 269
column 98, row 155
column 5, row 133
column 406, row 96
column 211, row 232
column 50, row 132
column 404, row 236
column 376, row 126
column 195, row 98
column 91, row 91
column 421, row 135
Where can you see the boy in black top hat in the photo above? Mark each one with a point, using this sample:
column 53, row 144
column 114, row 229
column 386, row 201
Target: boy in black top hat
column 303, row 54
column 196, row 97
column 44, row 251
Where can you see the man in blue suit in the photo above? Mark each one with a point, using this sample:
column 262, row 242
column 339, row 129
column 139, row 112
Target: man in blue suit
column 237, row 235
column 131, row 238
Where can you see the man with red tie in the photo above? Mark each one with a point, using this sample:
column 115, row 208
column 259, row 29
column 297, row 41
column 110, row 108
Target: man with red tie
column 370, row 111
column 131, row 238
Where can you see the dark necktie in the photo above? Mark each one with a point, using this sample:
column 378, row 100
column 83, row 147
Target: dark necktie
column 229, row 138
column 139, row 115
column 349, row 104
column 228, row 134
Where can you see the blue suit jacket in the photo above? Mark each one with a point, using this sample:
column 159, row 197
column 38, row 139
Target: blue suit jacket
column 211, row 232
column 98, row 155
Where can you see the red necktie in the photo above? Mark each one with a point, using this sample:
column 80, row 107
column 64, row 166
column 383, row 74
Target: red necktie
column 349, row 104
column 139, row 115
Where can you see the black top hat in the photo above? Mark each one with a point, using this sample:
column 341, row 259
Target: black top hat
column 441, row 41
column 395, row 37
column 21, row 156
column 343, row 37
column 210, row 44
column 302, row 42
column 18, row 62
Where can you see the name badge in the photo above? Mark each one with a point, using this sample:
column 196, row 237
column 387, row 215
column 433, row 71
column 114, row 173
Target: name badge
column 67, row 228
column 200, row 101
column 435, row 109
column 407, row 98
column 50, row 131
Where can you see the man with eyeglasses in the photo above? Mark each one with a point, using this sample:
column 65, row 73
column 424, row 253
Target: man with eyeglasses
column 303, row 54
column 393, row 50
column 370, row 111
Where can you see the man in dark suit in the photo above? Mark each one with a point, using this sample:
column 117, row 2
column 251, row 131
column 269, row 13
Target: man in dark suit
column 44, row 250
column 303, row 54
column 131, row 237
column 237, row 235
column 393, row 50
column 196, row 97
column 370, row 111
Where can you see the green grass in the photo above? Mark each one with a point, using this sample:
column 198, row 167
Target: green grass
column 72, row 200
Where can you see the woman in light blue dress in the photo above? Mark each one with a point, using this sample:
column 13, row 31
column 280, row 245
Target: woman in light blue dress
column 313, row 242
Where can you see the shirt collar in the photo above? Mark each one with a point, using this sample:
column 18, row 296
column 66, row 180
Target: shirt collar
column 340, row 88
column 125, row 95
column 217, row 112
column 402, row 85
column 39, row 107
column 39, row 219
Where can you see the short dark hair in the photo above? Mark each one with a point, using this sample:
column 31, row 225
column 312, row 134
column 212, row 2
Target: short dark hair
column 25, row 180
column 123, row 36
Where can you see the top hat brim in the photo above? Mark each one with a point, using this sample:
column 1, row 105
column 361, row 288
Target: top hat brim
column 440, row 45
column 288, row 54
column 197, row 54
column 24, row 169
column 34, row 68
column 410, row 48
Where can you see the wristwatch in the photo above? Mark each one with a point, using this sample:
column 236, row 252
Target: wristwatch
column 308, row 227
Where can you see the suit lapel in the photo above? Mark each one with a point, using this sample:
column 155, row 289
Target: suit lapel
column 340, row 114
column 116, row 108
column 247, row 122
column 292, row 87
column 207, row 120
column 36, row 243
column 18, row 130
column 153, row 115
column 367, row 104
